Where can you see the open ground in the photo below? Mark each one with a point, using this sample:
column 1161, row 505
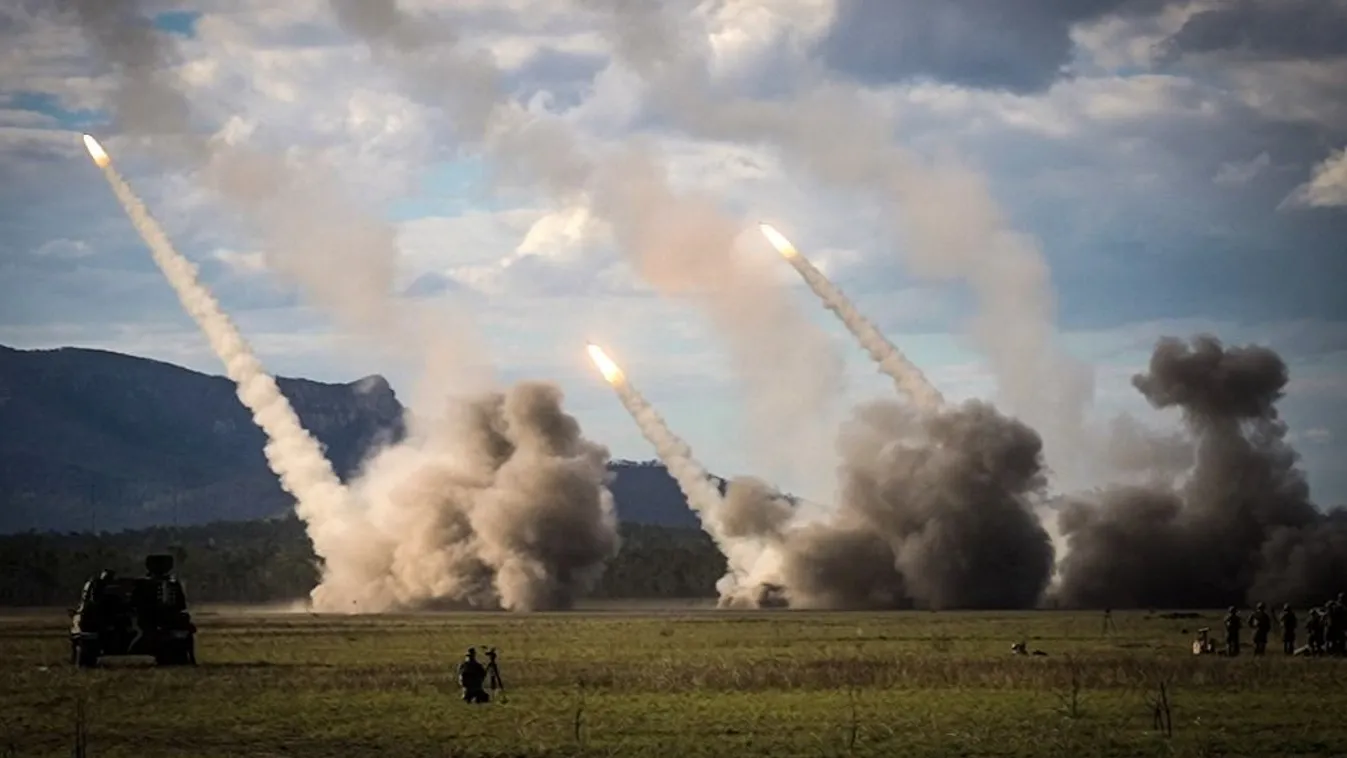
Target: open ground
column 675, row 682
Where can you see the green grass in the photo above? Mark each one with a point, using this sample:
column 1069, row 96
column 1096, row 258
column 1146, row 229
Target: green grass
column 684, row 683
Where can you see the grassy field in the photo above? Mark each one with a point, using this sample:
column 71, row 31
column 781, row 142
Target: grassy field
column 676, row 683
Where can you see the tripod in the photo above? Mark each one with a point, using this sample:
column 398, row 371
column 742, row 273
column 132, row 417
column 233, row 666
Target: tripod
column 493, row 680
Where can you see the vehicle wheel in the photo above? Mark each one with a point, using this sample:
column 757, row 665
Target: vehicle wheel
column 86, row 655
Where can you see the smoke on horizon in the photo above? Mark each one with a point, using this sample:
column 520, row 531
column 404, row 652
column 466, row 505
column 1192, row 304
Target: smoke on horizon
column 499, row 503
column 934, row 511
column 1241, row 527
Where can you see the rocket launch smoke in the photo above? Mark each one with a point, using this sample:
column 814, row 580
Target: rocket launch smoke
column 933, row 512
column 693, row 480
column 905, row 375
column 681, row 244
column 291, row 452
column 499, row 502
column 501, row 505
column 1241, row 528
column 945, row 214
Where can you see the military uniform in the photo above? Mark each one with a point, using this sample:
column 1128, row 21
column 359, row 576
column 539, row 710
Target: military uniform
column 1233, row 625
column 1314, row 631
column 471, row 676
column 1335, row 631
column 1288, row 624
column 1261, row 624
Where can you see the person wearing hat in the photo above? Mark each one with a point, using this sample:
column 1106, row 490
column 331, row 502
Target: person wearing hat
column 471, row 676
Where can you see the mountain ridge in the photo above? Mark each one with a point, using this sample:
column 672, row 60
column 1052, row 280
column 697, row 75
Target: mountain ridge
column 99, row 440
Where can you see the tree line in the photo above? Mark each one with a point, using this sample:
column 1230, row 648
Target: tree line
column 273, row 561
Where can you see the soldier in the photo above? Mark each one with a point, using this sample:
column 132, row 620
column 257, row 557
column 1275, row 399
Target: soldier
column 1288, row 622
column 1335, row 628
column 1233, row 624
column 1314, row 631
column 471, row 675
column 1261, row 624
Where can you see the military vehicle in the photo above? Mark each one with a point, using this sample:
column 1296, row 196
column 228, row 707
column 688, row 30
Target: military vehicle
column 134, row 616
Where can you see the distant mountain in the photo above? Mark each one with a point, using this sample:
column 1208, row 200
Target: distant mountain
column 91, row 439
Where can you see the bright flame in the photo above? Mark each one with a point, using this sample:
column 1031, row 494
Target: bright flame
column 610, row 371
column 778, row 240
column 96, row 150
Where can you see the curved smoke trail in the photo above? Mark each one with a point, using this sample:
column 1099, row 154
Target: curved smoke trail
column 905, row 374
column 297, row 459
column 693, row 479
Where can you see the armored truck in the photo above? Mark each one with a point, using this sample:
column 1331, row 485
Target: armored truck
column 134, row 616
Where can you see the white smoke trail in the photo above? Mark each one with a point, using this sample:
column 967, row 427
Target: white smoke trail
column 693, row 479
column 905, row 374
column 321, row 500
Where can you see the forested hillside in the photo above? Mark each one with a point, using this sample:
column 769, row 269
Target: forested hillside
column 272, row 561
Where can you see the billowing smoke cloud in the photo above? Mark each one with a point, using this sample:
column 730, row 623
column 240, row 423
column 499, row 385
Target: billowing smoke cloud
column 934, row 512
column 951, row 226
column 512, row 513
column 905, row 374
column 292, row 453
column 679, row 243
column 500, row 503
column 1241, row 528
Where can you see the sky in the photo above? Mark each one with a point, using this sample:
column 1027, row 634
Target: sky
column 1007, row 189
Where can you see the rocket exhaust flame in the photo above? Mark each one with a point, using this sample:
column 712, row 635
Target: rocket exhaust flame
column 909, row 379
column 96, row 151
column 611, row 373
column 322, row 501
column 778, row 241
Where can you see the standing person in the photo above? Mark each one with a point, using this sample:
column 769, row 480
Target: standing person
column 1261, row 624
column 1233, row 625
column 1335, row 628
column 471, row 675
column 1314, row 631
column 1288, row 624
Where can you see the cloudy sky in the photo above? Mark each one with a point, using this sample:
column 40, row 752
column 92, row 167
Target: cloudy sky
column 1024, row 195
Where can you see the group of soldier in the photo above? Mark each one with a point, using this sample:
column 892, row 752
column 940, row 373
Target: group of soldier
column 1325, row 629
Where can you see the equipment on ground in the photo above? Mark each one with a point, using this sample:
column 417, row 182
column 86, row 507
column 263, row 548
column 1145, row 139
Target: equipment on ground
column 134, row 616
column 493, row 680
column 1204, row 644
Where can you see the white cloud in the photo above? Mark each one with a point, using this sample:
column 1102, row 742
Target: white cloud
column 1093, row 152
column 1327, row 187
column 244, row 263
column 1238, row 174
column 64, row 248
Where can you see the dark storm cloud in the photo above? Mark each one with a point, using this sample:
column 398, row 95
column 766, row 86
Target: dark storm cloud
column 1017, row 45
column 1266, row 29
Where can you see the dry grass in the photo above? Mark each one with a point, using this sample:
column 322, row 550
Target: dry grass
column 691, row 683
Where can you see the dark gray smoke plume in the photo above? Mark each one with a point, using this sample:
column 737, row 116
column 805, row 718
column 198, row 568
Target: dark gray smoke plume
column 1240, row 529
column 934, row 512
